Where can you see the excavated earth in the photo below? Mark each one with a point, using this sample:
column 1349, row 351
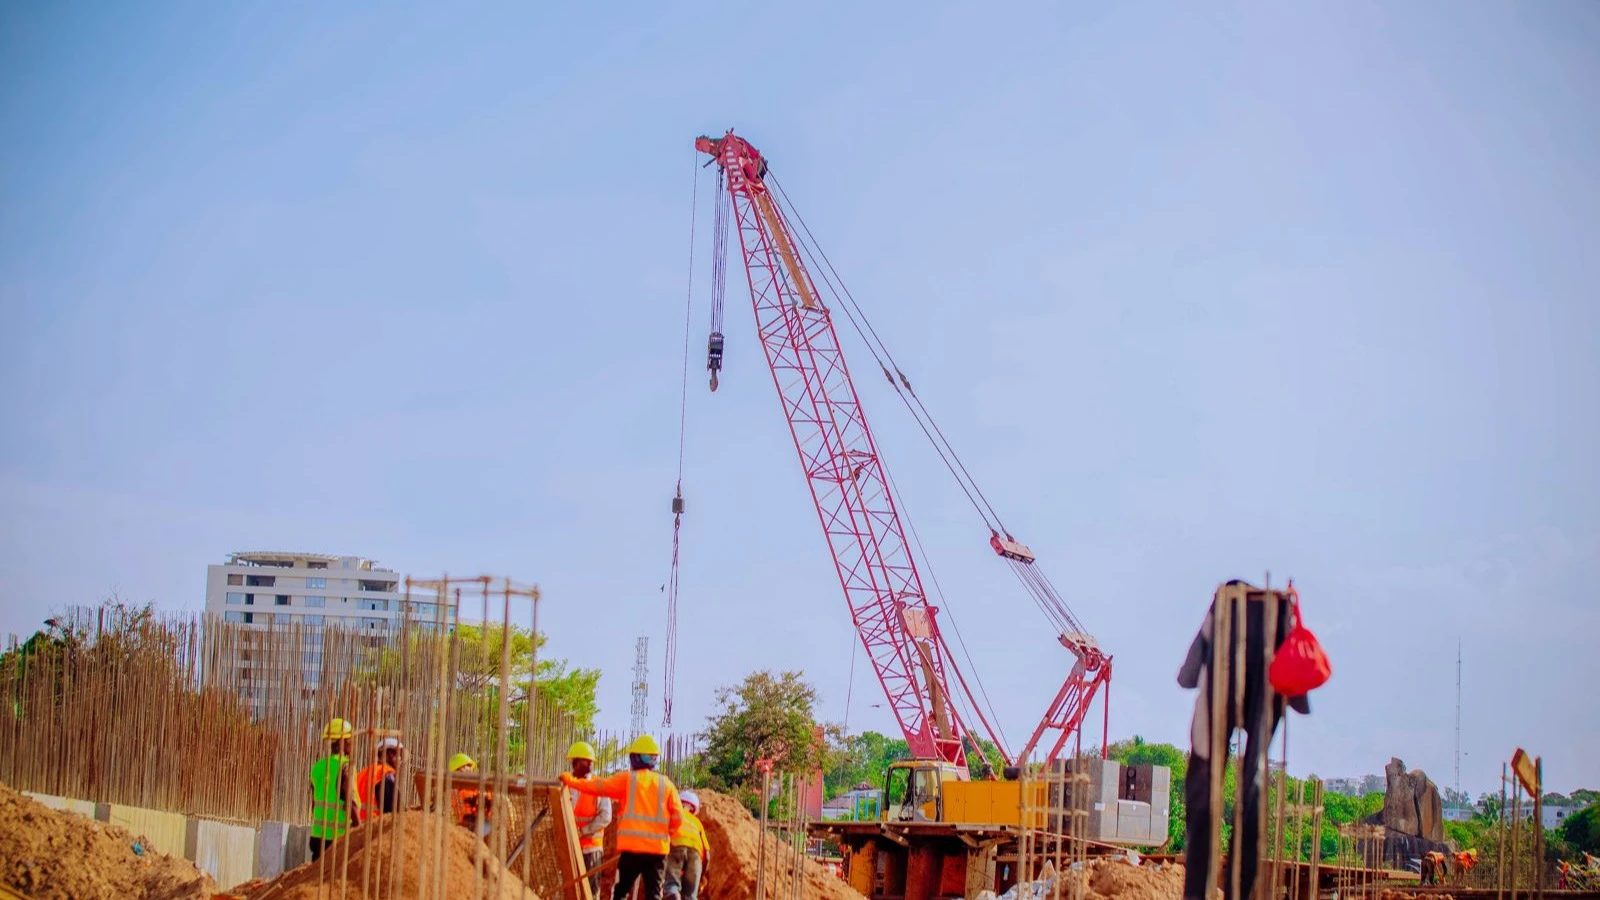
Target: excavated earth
column 46, row 854
column 395, row 861
column 735, row 845
column 1117, row 878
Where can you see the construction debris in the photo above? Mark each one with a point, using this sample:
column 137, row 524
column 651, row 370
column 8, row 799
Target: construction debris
column 46, row 854
column 1107, row 879
column 398, row 859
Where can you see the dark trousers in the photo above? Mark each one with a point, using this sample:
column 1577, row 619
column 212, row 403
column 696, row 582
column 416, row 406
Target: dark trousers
column 591, row 862
column 1242, row 850
column 633, row 866
column 317, row 846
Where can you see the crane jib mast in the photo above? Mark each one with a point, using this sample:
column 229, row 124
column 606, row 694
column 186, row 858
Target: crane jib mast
column 854, row 499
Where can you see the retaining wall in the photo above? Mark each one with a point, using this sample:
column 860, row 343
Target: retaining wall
column 231, row 853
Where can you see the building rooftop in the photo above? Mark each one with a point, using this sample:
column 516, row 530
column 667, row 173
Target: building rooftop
column 289, row 557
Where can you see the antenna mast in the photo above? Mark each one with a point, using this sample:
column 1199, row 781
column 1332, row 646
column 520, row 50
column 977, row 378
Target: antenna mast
column 1458, row 720
column 641, row 685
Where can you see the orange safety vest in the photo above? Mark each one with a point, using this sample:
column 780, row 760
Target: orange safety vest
column 366, row 790
column 644, row 824
column 585, row 807
column 464, row 803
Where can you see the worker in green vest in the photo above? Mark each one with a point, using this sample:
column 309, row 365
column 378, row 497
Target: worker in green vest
column 332, row 797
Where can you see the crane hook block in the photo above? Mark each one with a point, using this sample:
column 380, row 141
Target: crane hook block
column 714, row 351
column 714, row 357
column 677, row 505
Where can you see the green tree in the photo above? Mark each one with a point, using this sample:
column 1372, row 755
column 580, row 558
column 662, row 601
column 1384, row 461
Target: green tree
column 1581, row 830
column 477, row 655
column 863, row 758
column 765, row 717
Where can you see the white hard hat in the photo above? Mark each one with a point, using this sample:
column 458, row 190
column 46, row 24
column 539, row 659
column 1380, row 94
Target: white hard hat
column 690, row 798
column 390, row 743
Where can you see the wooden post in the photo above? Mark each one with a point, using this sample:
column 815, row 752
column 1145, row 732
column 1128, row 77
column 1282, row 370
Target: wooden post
column 1538, row 828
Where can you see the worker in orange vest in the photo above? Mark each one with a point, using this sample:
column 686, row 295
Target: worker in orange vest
column 377, row 786
column 469, row 806
column 691, row 852
column 650, row 812
column 592, row 813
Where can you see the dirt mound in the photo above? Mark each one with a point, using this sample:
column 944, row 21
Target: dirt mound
column 1118, row 878
column 383, row 861
column 734, row 836
column 1114, row 878
column 47, row 854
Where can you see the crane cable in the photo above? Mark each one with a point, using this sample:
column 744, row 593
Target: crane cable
column 949, row 616
column 813, row 251
column 671, row 587
column 886, row 361
column 1044, row 594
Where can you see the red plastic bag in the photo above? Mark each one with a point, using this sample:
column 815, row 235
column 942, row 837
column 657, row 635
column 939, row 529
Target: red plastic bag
column 1299, row 666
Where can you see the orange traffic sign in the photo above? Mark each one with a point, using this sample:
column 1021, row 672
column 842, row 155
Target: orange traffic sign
column 1527, row 771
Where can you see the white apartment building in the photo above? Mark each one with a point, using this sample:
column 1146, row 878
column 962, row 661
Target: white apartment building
column 263, row 589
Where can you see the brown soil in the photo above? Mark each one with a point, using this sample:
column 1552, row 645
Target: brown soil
column 1117, row 878
column 47, row 854
column 365, row 863
column 733, row 833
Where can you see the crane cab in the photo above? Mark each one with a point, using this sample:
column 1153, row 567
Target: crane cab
column 914, row 789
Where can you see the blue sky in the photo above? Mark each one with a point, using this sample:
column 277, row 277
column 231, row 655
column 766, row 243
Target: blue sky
column 1198, row 290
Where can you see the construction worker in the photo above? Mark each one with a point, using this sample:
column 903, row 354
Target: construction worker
column 377, row 786
column 1433, row 867
column 691, row 852
column 464, row 802
column 592, row 812
column 650, row 812
column 332, row 796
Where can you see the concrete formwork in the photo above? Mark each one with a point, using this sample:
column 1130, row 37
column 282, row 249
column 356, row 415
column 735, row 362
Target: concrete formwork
column 163, row 831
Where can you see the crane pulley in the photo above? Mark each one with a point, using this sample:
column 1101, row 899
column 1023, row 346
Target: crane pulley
column 856, row 501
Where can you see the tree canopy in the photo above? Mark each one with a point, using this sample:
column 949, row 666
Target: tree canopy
column 765, row 717
column 478, row 656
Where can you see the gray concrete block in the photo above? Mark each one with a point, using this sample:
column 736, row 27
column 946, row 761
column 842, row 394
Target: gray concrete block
column 270, row 839
column 191, row 839
column 1133, row 822
column 1102, row 822
column 296, row 847
column 1161, row 790
column 1159, row 825
column 102, row 812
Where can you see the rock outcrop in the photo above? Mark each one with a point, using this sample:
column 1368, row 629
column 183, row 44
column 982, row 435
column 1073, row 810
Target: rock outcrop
column 1411, row 803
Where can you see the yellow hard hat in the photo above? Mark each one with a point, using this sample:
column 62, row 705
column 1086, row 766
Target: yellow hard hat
column 337, row 730
column 461, row 761
column 644, row 745
column 581, row 750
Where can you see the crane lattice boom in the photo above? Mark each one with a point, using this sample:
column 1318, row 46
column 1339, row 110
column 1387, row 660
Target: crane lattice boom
column 898, row 627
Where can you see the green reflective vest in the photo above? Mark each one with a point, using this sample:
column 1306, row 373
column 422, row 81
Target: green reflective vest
column 328, row 817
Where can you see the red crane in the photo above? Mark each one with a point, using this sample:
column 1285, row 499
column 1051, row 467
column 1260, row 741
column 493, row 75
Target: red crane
column 854, row 496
